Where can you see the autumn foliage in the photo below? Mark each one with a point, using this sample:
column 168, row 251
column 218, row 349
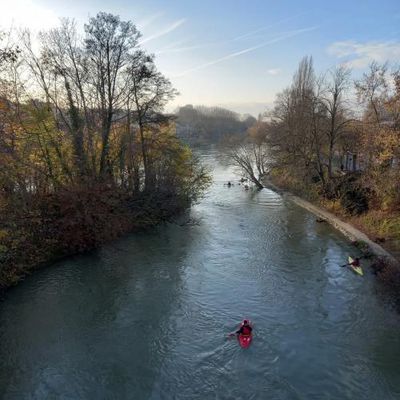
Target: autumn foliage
column 86, row 151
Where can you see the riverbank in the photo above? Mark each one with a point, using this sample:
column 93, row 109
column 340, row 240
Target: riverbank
column 74, row 222
column 384, row 264
column 354, row 234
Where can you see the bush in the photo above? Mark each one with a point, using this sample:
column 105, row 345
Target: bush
column 330, row 190
column 73, row 221
column 354, row 198
column 355, row 201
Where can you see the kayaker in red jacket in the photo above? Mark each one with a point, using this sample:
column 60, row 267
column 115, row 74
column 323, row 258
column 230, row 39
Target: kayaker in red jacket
column 356, row 262
column 245, row 329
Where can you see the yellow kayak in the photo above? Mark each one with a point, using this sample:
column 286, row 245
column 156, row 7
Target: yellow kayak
column 358, row 270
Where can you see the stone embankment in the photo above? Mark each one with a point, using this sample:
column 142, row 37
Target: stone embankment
column 348, row 230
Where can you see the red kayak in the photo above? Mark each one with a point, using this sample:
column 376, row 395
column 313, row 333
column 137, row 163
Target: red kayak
column 245, row 340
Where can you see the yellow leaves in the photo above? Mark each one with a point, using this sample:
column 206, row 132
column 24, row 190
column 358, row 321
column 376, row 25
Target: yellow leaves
column 387, row 144
column 381, row 223
column 3, row 234
column 381, row 142
column 3, row 105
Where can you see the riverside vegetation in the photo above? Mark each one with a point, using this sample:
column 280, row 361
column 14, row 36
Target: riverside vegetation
column 86, row 152
column 335, row 149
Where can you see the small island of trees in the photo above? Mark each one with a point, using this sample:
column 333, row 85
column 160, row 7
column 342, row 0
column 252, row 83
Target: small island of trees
column 86, row 151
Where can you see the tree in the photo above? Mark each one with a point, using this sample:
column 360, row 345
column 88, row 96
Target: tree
column 372, row 90
column 8, row 53
column 65, row 60
column 86, row 151
column 308, row 121
column 211, row 124
column 297, row 119
column 250, row 158
column 379, row 139
column 149, row 91
column 60, row 75
column 99, row 96
column 110, row 44
column 334, row 104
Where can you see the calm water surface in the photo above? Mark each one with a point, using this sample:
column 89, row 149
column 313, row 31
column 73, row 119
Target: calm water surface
column 147, row 317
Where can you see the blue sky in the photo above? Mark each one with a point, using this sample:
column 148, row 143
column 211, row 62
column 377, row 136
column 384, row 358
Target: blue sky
column 238, row 54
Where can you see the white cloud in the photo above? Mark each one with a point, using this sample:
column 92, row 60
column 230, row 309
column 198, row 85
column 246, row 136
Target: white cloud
column 360, row 55
column 274, row 71
column 26, row 14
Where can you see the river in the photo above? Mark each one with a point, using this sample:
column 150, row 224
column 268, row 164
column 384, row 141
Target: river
column 147, row 316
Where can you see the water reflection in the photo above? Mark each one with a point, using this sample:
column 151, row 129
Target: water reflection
column 84, row 320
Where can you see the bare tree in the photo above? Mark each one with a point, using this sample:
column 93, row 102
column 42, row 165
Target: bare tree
column 296, row 135
column 250, row 158
column 149, row 91
column 334, row 104
column 372, row 89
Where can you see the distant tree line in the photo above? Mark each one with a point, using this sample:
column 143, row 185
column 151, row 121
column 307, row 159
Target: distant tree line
column 201, row 124
column 86, row 151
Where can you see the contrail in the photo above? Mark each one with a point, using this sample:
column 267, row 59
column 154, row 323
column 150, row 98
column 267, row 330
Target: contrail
column 169, row 29
column 249, row 49
column 171, row 49
column 149, row 20
column 269, row 26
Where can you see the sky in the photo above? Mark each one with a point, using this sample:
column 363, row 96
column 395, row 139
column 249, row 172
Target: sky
column 234, row 53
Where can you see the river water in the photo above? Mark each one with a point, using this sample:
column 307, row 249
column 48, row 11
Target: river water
column 147, row 317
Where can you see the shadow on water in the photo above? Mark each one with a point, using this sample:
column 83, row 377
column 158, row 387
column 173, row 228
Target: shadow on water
column 94, row 323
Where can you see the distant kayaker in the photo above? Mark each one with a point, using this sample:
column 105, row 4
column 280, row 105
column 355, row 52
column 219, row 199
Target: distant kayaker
column 355, row 262
column 245, row 329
